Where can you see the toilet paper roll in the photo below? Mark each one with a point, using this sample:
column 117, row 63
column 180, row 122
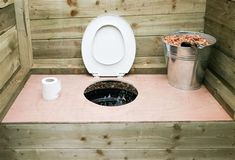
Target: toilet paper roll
column 51, row 88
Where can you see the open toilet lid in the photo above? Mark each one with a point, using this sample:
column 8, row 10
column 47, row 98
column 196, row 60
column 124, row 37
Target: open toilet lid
column 108, row 46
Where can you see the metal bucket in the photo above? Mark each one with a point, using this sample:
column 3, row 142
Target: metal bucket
column 186, row 65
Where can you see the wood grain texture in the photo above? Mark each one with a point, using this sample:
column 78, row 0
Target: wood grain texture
column 75, row 65
column 71, row 48
column 9, row 55
column 221, row 92
column 223, row 65
column 117, row 154
column 141, row 25
column 140, row 135
column 11, row 90
column 47, row 9
column 4, row 3
column 24, row 34
column 57, row 27
column 220, row 23
column 8, row 66
column 224, row 36
column 9, row 43
column 222, row 12
column 7, row 18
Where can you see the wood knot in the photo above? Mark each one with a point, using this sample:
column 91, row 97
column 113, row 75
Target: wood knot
column 72, row 2
column 173, row 4
column 105, row 136
column 134, row 25
column 74, row 12
column 83, row 138
column 177, row 127
column 97, row 3
column 177, row 137
column 168, row 150
column 100, row 152
column 203, row 130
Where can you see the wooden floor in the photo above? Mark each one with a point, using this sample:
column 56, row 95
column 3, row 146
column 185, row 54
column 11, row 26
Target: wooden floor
column 156, row 101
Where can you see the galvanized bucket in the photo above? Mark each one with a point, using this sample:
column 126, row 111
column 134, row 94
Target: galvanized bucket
column 186, row 65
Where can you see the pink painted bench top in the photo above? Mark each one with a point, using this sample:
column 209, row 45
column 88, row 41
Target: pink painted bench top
column 156, row 101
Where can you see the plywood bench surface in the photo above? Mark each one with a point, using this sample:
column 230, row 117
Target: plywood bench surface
column 156, row 101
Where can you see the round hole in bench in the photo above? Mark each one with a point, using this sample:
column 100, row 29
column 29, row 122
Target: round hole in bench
column 111, row 93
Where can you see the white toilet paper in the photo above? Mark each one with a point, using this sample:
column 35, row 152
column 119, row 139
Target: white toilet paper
column 51, row 88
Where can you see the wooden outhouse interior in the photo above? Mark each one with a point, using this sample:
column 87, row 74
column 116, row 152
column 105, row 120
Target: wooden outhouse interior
column 43, row 37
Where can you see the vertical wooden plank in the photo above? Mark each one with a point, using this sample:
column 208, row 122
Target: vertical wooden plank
column 24, row 35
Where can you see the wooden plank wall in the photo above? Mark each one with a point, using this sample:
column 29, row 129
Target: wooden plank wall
column 9, row 48
column 13, row 65
column 9, row 51
column 118, row 141
column 57, row 28
column 220, row 79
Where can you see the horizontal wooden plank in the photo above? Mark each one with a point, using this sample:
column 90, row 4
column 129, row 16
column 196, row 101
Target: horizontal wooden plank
column 46, row 9
column 71, row 48
column 9, row 43
column 7, row 18
column 11, row 90
column 117, row 154
column 149, row 65
column 8, row 66
column 221, row 92
column 141, row 25
column 222, row 12
column 140, row 135
column 224, row 35
column 4, row 3
column 223, row 66
column 75, row 65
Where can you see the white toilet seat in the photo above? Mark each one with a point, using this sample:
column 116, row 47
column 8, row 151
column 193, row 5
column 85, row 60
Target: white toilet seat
column 108, row 46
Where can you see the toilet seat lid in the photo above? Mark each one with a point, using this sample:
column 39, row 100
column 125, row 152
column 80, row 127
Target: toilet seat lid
column 108, row 46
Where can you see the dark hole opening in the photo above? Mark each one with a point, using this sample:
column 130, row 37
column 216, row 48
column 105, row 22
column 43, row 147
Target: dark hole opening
column 111, row 93
column 186, row 44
